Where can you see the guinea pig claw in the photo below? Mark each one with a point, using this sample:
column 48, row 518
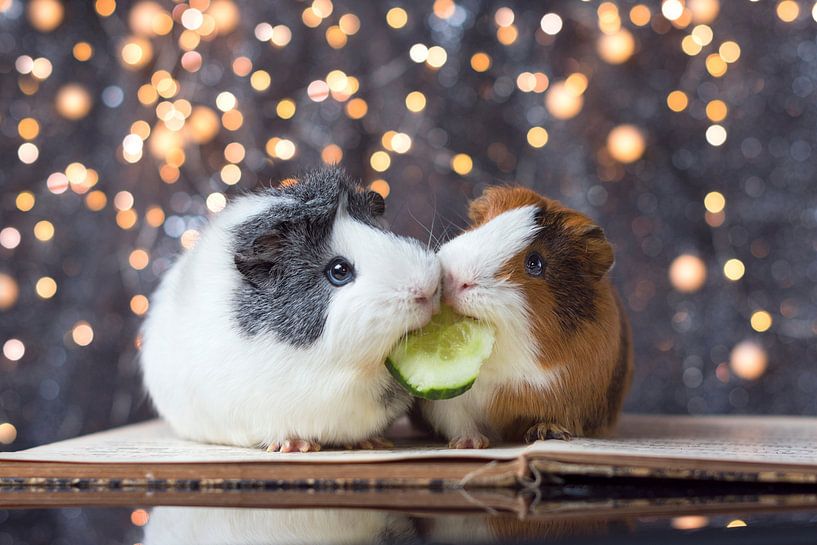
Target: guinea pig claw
column 544, row 431
column 294, row 445
column 469, row 441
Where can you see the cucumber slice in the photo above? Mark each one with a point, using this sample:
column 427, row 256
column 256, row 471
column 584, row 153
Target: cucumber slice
column 442, row 360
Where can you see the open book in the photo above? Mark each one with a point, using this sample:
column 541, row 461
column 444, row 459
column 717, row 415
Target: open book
column 754, row 449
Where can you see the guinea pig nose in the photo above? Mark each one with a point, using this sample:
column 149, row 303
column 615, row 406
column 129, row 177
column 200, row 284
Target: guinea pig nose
column 464, row 286
column 421, row 296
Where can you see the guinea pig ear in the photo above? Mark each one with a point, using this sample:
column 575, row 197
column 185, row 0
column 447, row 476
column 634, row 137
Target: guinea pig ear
column 254, row 260
column 375, row 203
column 480, row 208
column 598, row 252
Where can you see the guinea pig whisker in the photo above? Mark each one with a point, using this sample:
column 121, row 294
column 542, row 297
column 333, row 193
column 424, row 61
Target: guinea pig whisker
column 421, row 224
column 431, row 231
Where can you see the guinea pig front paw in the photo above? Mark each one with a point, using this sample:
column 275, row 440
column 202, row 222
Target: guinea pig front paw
column 547, row 430
column 374, row 443
column 473, row 440
column 294, row 445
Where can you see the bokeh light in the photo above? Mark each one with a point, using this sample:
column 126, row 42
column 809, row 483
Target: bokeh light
column 45, row 15
column 626, row 143
column 687, row 273
column 14, row 349
column 563, row 102
column 8, row 291
column 748, row 360
column 82, row 333
column 73, row 101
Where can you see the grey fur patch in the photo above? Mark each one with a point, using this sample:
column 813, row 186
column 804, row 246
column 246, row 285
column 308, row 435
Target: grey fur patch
column 282, row 255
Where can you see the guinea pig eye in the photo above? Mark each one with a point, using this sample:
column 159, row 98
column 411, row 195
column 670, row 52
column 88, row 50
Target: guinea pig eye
column 340, row 272
column 534, row 265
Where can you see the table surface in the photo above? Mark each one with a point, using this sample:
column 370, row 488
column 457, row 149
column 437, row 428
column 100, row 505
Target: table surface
column 202, row 525
column 583, row 511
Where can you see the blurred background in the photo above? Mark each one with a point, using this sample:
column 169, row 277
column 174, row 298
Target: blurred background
column 687, row 129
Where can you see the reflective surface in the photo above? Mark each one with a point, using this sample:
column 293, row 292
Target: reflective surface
column 211, row 525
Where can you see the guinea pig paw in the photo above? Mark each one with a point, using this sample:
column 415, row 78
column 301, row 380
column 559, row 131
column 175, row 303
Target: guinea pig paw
column 476, row 440
column 547, row 430
column 294, row 445
column 375, row 443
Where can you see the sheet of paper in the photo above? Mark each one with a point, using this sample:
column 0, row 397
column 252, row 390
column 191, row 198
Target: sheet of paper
column 154, row 442
column 768, row 440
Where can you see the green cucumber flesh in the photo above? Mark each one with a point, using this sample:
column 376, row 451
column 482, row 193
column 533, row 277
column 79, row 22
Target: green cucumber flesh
column 442, row 360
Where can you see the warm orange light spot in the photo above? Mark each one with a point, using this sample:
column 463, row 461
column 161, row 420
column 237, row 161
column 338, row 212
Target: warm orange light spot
column 716, row 110
column 396, row 17
column 748, row 360
column 139, row 259
column 155, row 216
column 83, row 51
column 715, row 65
column 331, row 154
column 562, row 102
column 626, row 143
column 139, row 517
column 28, row 128
column 139, row 304
column 357, row 108
column 380, row 186
column 640, row 15
column 677, row 101
column 687, row 273
column 96, row 201
column 82, row 333
column 8, row 291
column 73, row 101
column 45, row 15
column 480, row 62
column 788, row 10
column 462, row 164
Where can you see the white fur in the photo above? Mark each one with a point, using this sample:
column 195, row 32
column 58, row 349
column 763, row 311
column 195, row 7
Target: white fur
column 476, row 258
column 212, row 383
column 223, row 526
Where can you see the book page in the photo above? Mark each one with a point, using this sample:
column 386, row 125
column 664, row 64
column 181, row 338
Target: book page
column 766, row 440
column 155, row 442
column 763, row 440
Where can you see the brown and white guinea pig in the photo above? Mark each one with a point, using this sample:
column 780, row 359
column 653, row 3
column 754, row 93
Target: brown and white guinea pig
column 562, row 360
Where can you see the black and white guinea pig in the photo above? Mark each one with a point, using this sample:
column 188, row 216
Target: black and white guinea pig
column 242, row 526
column 272, row 331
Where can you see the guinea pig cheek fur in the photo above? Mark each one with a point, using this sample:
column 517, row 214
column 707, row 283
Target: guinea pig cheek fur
column 535, row 298
column 394, row 290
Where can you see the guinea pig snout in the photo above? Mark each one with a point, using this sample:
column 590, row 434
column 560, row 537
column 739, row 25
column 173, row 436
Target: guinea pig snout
column 455, row 287
column 423, row 295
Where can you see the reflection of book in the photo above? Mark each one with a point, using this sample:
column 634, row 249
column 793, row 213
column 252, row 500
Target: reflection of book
column 754, row 449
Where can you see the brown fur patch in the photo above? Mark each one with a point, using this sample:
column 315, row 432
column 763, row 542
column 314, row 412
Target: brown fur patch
column 497, row 199
column 584, row 363
column 509, row 529
column 578, row 324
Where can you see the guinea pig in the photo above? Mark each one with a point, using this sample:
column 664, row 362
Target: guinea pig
column 562, row 360
column 273, row 330
column 243, row 526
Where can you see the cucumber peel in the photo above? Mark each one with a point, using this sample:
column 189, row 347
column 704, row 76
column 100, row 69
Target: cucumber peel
column 442, row 360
